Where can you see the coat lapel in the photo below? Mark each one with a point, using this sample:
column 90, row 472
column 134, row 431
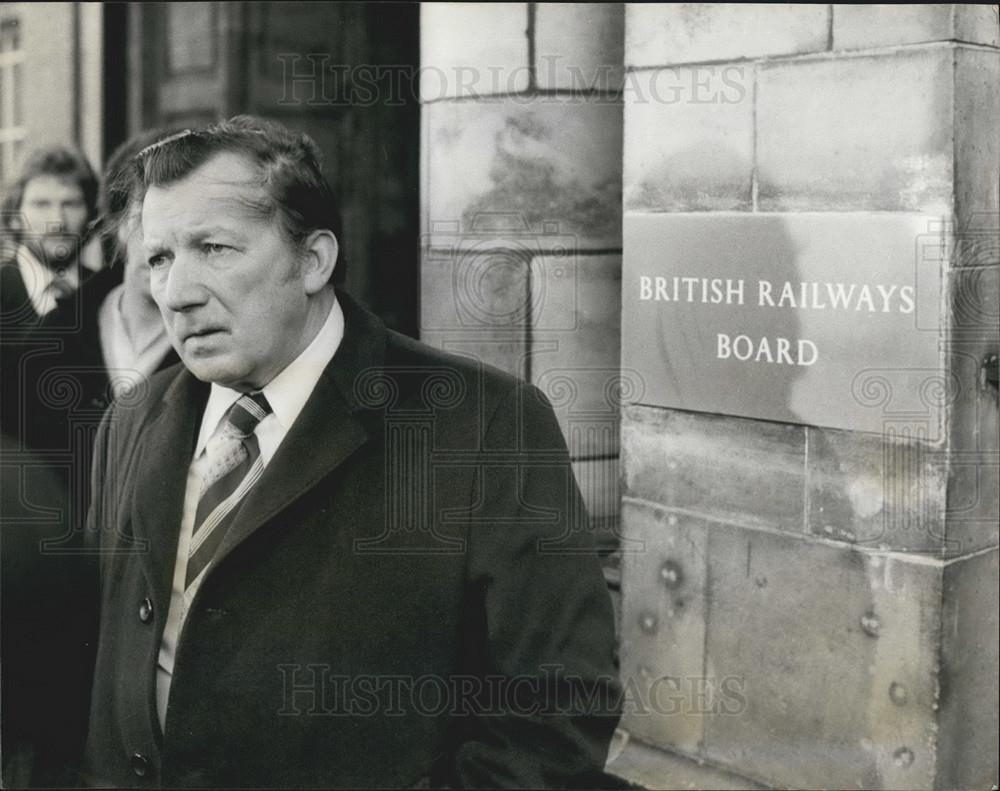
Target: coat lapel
column 327, row 432
column 162, row 467
column 16, row 304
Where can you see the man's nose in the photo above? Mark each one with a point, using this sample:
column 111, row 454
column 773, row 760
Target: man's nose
column 184, row 288
column 61, row 220
column 53, row 221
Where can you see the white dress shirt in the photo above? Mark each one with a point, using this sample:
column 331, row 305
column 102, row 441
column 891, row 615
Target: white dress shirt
column 39, row 279
column 287, row 394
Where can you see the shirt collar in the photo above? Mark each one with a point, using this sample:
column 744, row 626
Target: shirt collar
column 288, row 392
column 37, row 278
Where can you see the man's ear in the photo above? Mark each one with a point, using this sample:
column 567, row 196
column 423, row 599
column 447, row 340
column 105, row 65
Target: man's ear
column 320, row 260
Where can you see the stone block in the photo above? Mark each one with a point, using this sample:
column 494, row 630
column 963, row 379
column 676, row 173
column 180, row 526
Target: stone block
column 720, row 467
column 611, row 564
column 859, row 133
column 689, row 139
column 879, row 491
column 579, row 46
column 663, row 626
column 476, row 304
column 972, row 515
column 539, row 174
column 475, row 290
column 879, row 25
column 471, row 49
column 863, row 26
column 664, row 34
column 575, row 347
column 967, row 747
column 606, row 532
column 616, row 606
column 643, row 766
column 836, row 651
column 976, row 23
column 503, row 352
column 598, row 482
column 977, row 144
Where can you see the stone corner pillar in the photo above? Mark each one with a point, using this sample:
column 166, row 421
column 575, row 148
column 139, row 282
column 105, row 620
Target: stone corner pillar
column 810, row 533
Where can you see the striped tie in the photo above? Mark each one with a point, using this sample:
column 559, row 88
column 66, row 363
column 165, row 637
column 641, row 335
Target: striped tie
column 234, row 465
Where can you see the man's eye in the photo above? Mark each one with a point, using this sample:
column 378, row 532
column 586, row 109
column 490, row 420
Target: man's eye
column 213, row 248
column 156, row 261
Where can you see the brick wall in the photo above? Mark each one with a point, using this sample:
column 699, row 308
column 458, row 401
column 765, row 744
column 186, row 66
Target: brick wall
column 843, row 584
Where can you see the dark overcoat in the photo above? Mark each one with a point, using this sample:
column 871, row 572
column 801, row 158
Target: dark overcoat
column 409, row 594
column 16, row 310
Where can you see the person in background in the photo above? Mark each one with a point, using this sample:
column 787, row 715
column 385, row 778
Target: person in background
column 45, row 214
column 45, row 217
column 90, row 346
column 133, row 341
column 110, row 336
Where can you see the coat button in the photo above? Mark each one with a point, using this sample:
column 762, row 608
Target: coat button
column 146, row 610
column 139, row 765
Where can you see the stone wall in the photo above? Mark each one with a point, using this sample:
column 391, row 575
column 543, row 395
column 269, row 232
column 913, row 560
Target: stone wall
column 521, row 209
column 817, row 604
column 820, row 603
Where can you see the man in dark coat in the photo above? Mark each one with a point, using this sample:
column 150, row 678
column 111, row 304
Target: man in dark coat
column 43, row 221
column 44, row 673
column 45, row 213
column 106, row 337
column 330, row 555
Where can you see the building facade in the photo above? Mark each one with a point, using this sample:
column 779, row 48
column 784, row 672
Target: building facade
column 750, row 253
column 808, row 531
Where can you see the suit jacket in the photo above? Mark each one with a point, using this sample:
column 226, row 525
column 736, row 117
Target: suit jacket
column 65, row 381
column 55, row 390
column 66, row 340
column 56, row 386
column 17, row 318
column 16, row 310
column 408, row 595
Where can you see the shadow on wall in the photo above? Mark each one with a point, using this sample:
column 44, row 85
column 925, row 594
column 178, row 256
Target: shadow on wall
column 682, row 337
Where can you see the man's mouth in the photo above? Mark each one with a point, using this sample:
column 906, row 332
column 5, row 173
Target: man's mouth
column 203, row 332
column 59, row 246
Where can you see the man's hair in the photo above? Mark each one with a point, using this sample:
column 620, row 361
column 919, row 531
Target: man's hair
column 289, row 165
column 116, row 202
column 60, row 161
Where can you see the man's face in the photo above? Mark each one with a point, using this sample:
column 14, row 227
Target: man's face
column 54, row 213
column 226, row 280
